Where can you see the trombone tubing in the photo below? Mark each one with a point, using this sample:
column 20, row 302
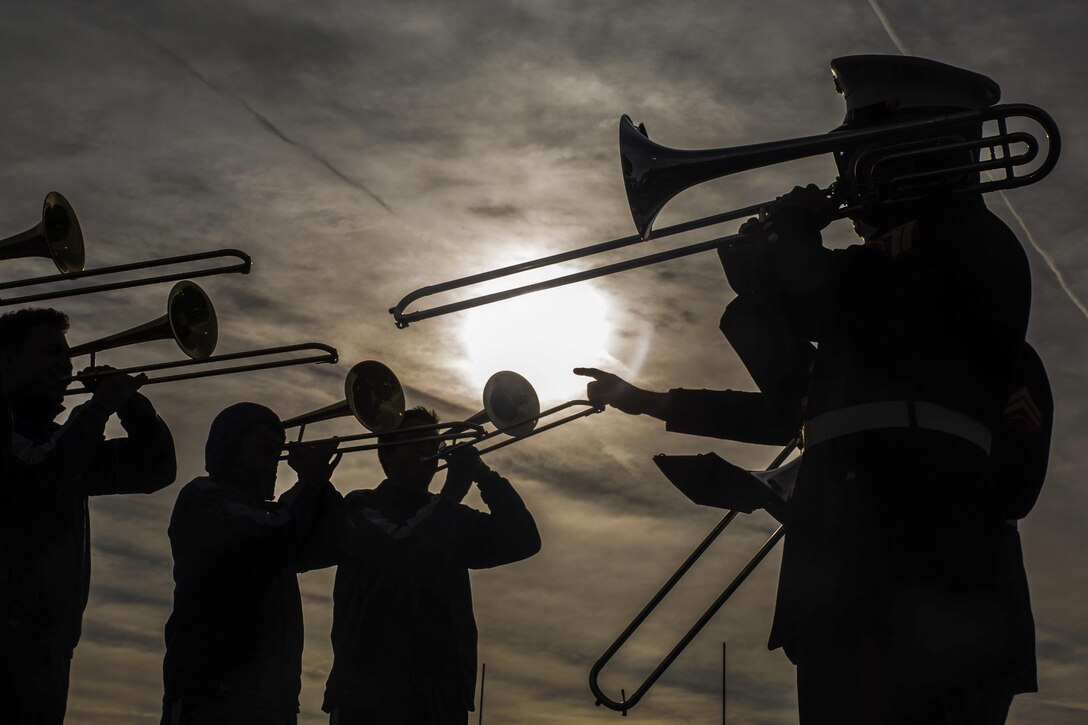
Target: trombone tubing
column 242, row 267
column 550, row 411
column 403, row 319
column 468, row 430
column 626, row 704
column 824, row 143
column 329, row 355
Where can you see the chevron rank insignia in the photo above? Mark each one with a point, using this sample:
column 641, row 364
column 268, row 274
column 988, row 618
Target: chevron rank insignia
column 1022, row 414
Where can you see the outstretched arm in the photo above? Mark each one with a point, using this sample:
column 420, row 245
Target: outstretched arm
column 609, row 389
column 735, row 415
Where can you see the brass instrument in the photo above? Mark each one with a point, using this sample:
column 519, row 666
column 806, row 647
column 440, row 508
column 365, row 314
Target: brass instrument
column 625, row 703
column 654, row 174
column 375, row 397
column 513, row 407
column 190, row 321
column 58, row 237
column 325, row 354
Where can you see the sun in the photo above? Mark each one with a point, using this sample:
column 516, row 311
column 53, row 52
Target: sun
column 542, row 336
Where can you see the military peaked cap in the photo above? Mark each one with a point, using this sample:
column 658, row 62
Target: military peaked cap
column 875, row 86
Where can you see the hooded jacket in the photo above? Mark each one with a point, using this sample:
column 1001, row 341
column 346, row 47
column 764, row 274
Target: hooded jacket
column 236, row 629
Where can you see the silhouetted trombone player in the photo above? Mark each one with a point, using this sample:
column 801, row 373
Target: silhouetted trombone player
column 404, row 634
column 44, row 523
column 234, row 639
column 896, row 597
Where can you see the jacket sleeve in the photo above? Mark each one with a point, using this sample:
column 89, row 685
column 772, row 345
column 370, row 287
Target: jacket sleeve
column 505, row 535
column 320, row 546
column 58, row 465
column 142, row 462
column 730, row 414
column 774, row 352
column 238, row 532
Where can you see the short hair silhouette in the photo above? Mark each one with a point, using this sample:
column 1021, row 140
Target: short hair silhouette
column 414, row 417
column 16, row 326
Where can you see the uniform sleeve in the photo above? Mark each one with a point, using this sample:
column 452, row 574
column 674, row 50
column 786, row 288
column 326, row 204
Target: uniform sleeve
column 729, row 414
column 775, row 353
column 505, row 535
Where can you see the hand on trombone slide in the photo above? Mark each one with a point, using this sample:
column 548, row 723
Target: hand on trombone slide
column 314, row 461
column 464, row 468
column 111, row 389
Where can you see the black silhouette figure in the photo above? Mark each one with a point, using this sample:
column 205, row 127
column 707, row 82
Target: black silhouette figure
column 404, row 634
column 7, row 428
column 901, row 597
column 234, row 639
column 49, row 471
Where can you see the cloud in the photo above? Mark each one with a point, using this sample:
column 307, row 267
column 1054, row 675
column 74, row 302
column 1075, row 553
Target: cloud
column 491, row 128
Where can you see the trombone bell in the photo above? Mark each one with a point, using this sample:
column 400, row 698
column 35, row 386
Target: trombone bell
column 509, row 400
column 57, row 237
column 375, row 396
column 189, row 320
column 192, row 319
column 653, row 174
column 372, row 394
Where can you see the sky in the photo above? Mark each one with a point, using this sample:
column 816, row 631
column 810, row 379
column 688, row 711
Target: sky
column 359, row 151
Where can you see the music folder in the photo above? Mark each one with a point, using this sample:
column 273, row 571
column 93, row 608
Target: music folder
column 709, row 480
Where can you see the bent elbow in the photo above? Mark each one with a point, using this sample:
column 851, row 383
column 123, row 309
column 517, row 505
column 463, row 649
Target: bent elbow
column 531, row 545
column 164, row 473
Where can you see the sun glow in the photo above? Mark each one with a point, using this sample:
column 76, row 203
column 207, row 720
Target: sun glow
column 542, row 336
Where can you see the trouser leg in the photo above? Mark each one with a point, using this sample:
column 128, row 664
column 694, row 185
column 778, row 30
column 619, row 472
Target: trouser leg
column 851, row 674
column 33, row 684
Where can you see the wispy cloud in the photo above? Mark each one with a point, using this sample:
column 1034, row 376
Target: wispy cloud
column 262, row 119
column 1047, row 258
column 490, row 127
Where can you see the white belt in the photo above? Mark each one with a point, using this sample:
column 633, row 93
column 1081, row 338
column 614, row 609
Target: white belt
column 896, row 414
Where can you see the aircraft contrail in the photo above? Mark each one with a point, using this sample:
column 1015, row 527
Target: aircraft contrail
column 888, row 27
column 1046, row 257
column 264, row 121
column 1012, row 210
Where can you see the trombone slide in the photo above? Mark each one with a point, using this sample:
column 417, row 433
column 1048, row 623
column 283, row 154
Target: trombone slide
column 625, row 703
column 328, row 354
column 243, row 266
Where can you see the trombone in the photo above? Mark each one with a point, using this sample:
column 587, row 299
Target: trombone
column 58, row 237
column 653, row 174
column 625, row 703
column 190, row 321
column 513, row 407
column 375, row 397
